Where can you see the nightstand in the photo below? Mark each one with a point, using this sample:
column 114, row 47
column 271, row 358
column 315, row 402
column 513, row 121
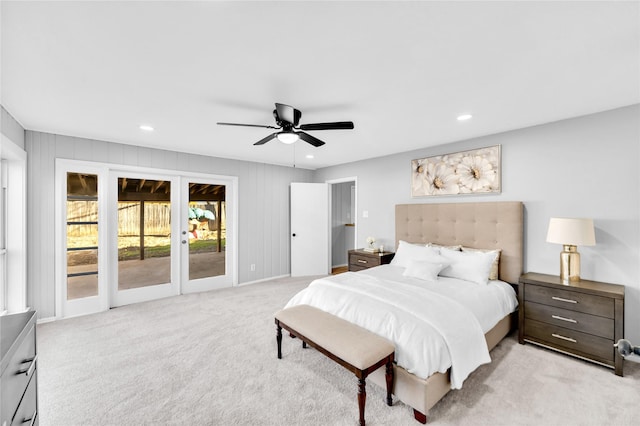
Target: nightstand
column 360, row 259
column 583, row 318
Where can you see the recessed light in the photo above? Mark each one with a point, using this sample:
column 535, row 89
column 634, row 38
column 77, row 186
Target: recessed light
column 464, row 117
column 146, row 128
column 309, row 156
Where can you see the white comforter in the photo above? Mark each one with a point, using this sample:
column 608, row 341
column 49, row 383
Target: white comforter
column 434, row 326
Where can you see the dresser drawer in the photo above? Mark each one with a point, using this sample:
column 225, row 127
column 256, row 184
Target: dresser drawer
column 364, row 261
column 20, row 369
column 27, row 413
column 600, row 326
column 573, row 341
column 571, row 300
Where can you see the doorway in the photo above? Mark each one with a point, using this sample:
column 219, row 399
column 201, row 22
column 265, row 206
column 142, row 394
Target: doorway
column 343, row 221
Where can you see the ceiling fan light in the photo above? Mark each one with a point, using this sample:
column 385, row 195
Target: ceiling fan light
column 288, row 137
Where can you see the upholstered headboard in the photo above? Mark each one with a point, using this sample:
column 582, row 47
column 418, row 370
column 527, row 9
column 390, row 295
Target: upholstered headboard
column 489, row 225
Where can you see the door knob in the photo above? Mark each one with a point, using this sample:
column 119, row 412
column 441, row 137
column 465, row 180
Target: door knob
column 293, row 235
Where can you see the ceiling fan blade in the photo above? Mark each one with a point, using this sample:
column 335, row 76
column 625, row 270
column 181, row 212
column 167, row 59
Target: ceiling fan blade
column 267, row 139
column 247, row 125
column 310, row 139
column 288, row 113
column 328, row 126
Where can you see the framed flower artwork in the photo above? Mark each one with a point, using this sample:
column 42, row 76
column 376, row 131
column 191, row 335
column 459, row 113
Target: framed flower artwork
column 467, row 172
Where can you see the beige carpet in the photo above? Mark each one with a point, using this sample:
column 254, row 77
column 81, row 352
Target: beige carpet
column 210, row 359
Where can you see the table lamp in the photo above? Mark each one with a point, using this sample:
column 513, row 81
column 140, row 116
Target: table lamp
column 570, row 232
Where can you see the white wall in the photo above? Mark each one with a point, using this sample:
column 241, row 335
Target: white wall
column 263, row 204
column 583, row 167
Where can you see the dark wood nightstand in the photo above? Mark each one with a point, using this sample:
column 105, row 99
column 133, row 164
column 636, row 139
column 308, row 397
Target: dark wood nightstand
column 360, row 259
column 583, row 318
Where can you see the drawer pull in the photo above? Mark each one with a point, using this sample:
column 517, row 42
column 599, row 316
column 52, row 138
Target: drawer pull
column 560, row 299
column 31, row 420
column 558, row 336
column 558, row 317
column 29, row 370
column 362, row 261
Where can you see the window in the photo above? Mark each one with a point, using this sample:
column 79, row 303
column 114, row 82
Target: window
column 13, row 236
column 82, row 235
column 3, row 237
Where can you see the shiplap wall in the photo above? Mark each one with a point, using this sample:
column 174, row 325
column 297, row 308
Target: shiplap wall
column 263, row 204
column 10, row 127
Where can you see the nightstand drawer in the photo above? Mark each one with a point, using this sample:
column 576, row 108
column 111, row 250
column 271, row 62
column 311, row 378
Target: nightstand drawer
column 574, row 320
column 364, row 261
column 571, row 340
column 356, row 268
column 572, row 300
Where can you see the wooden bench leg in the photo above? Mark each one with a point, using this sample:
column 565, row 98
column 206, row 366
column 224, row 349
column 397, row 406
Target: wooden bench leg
column 389, row 378
column 422, row 418
column 279, row 339
column 362, row 398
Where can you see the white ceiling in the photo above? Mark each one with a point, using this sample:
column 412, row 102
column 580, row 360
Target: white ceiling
column 402, row 71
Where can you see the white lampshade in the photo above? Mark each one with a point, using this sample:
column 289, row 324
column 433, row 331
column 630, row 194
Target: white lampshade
column 571, row 231
column 288, row 137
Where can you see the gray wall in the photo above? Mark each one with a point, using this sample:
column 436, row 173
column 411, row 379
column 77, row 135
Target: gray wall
column 583, row 167
column 11, row 128
column 263, row 204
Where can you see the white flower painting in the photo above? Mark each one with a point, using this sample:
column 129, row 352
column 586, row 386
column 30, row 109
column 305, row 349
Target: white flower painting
column 467, row 172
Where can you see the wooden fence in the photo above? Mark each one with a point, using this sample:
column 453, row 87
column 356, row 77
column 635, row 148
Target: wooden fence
column 157, row 218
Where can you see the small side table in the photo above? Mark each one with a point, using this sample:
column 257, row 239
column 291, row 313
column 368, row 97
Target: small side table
column 582, row 318
column 360, row 259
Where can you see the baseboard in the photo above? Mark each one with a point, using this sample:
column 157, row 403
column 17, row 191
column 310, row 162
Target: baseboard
column 263, row 280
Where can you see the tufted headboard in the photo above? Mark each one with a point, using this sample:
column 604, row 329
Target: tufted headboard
column 490, row 225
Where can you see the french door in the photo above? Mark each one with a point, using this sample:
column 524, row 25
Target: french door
column 127, row 236
column 204, row 235
column 144, row 214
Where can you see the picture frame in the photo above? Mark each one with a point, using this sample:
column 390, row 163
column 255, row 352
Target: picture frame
column 476, row 171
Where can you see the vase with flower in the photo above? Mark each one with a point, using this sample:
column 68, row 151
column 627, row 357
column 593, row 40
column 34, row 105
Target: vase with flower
column 370, row 248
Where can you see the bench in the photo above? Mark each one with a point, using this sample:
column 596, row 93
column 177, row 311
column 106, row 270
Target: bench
column 358, row 350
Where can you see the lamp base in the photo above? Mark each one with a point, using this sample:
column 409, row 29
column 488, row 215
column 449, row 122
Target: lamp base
column 569, row 264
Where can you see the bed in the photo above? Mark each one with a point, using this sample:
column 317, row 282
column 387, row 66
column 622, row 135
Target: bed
column 487, row 226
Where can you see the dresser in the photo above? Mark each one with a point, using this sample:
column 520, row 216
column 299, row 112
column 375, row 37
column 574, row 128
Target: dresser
column 360, row 259
column 18, row 378
column 583, row 318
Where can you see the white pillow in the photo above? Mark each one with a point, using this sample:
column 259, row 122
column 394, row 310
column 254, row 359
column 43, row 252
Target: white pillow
column 495, row 266
column 456, row 247
column 468, row 266
column 407, row 251
column 423, row 269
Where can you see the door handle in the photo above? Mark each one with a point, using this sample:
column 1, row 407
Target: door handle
column 293, row 235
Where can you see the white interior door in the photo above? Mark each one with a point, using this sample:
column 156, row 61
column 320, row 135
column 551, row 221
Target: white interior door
column 309, row 229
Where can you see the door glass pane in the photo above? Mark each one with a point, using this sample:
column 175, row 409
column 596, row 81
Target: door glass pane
column 144, row 233
column 82, row 235
column 207, row 230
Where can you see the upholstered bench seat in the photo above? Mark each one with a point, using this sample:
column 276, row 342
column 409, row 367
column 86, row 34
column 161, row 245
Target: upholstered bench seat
column 358, row 350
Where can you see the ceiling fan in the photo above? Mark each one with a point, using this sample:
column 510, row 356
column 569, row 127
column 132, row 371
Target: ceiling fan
column 287, row 120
